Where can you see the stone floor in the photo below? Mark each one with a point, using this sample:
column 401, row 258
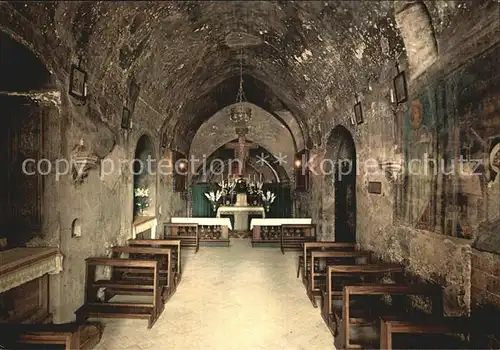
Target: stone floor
column 230, row 298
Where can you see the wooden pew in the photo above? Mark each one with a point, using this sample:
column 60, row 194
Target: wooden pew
column 307, row 247
column 141, row 275
column 430, row 325
column 293, row 236
column 187, row 233
column 353, row 273
column 70, row 335
column 174, row 245
column 332, row 257
column 95, row 307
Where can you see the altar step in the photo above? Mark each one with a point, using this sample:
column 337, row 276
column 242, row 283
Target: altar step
column 214, row 242
column 240, row 234
column 268, row 243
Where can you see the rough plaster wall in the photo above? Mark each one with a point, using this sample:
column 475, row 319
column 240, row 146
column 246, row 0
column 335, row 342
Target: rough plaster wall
column 264, row 129
column 431, row 256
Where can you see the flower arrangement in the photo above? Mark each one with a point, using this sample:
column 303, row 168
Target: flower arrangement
column 214, row 198
column 268, row 198
column 141, row 198
column 227, row 187
column 255, row 188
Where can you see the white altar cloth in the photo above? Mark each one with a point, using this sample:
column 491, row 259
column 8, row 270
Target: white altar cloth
column 202, row 221
column 279, row 222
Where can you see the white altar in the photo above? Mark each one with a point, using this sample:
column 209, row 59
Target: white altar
column 240, row 215
column 240, row 212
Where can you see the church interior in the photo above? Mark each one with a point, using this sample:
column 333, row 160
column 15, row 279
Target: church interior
column 250, row 175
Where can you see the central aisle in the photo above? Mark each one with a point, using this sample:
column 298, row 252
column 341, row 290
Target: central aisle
column 230, row 298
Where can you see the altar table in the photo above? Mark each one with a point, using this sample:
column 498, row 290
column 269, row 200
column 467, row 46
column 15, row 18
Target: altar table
column 240, row 215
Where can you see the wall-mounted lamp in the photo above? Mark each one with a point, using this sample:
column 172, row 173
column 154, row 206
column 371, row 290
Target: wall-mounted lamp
column 126, row 119
column 78, row 82
column 358, row 110
column 82, row 161
column 298, row 163
column 400, row 87
column 182, row 165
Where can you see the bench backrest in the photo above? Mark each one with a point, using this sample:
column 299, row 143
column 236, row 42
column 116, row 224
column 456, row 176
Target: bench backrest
column 164, row 256
column 434, row 291
column 91, row 269
column 175, row 244
column 331, row 256
column 356, row 270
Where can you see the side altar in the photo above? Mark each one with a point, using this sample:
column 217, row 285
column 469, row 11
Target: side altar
column 240, row 212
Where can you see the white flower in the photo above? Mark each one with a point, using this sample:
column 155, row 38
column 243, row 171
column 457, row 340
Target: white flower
column 268, row 197
column 141, row 192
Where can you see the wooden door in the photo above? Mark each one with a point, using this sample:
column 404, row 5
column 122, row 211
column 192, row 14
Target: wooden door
column 22, row 120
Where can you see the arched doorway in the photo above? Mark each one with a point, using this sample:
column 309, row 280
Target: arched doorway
column 23, row 141
column 144, row 178
column 341, row 151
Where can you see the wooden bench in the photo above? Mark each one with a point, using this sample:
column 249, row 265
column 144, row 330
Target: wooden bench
column 307, row 247
column 105, row 308
column 370, row 312
column 70, row 335
column 429, row 325
column 187, row 233
column 349, row 274
column 143, row 275
column 174, row 245
column 317, row 277
column 293, row 236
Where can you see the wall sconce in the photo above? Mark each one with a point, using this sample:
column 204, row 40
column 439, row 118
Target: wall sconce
column 126, row 119
column 298, row 163
column 400, row 87
column 164, row 140
column 78, row 82
column 393, row 169
column 358, row 111
column 182, row 166
column 82, row 161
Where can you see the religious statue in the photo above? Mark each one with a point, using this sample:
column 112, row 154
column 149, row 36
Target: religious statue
column 420, row 149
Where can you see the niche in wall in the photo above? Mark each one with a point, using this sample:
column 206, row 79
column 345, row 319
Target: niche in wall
column 76, row 229
column 144, row 177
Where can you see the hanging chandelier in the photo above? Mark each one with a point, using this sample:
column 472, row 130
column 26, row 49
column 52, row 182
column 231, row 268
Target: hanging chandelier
column 239, row 113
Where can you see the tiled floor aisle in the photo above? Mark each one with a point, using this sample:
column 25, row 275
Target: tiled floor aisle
column 230, row 298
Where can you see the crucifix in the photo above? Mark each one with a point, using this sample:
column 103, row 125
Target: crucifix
column 241, row 149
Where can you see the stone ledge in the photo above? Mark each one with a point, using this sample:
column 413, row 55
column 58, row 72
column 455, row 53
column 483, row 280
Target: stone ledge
column 21, row 265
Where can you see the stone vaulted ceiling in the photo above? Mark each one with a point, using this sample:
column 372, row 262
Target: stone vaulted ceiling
column 186, row 55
